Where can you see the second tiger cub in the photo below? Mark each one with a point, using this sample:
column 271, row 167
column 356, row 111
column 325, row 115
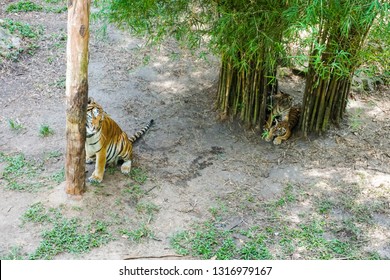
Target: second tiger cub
column 282, row 130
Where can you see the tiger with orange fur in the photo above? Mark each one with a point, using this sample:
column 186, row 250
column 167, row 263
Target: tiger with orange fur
column 106, row 143
column 282, row 130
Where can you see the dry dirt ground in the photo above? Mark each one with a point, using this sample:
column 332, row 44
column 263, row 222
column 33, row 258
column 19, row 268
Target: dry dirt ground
column 193, row 164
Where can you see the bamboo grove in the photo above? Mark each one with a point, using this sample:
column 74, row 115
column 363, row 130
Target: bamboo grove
column 252, row 37
column 249, row 64
column 341, row 30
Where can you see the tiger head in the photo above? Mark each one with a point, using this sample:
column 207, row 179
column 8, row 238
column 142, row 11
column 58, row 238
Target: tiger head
column 280, row 128
column 95, row 117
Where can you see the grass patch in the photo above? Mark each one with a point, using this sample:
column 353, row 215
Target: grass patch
column 138, row 175
column 36, row 213
column 138, row 234
column 65, row 235
column 55, row 6
column 45, row 130
column 53, row 155
column 60, row 83
column 18, row 173
column 15, row 125
column 69, row 235
column 28, row 34
column 23, row 30
column 23, row 6
column 147, row 208
column 294, row 225
column 15, row 253
column 207, row 241
column 59, row 176
column 134, row 191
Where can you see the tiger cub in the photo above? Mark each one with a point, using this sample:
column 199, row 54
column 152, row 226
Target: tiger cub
column 282, row 130
column 281, row 104
column 106, row 142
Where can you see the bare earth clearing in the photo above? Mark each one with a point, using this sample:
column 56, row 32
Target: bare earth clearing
column 196, row 167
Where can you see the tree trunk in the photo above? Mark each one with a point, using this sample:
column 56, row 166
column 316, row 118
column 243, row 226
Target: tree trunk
column 76, row 94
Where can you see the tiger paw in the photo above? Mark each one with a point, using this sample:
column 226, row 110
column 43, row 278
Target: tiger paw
column 126, row 167
column 277, row 141
column 95, row 179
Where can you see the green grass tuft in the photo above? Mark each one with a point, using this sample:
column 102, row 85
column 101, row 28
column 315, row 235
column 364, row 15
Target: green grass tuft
column 45, row 130
column 15, row 125
column 138, row 175
column 137, row 234
column 15, row 253
column 24, row 6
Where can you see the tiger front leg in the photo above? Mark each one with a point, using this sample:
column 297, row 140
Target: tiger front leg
column 97, row 175
column 90, row 156
column 278, row 140
column 270, row 135
column 269, row 122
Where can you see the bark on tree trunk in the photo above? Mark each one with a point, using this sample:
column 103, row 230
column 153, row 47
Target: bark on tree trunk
column 76, row 94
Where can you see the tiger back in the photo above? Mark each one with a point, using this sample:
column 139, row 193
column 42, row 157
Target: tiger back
column 106, row 142
column 282, row 130
column 281, row 105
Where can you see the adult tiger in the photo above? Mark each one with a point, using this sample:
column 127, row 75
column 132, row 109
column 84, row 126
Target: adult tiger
column 106, row 143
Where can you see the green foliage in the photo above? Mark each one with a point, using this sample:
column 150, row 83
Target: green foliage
column 18, row 171
column 53, row 154
column 55, row 1
column 45, row 130
column 36, row 213
column 23, row 6
column 138, row 175
column 339, row 32
column 59, row 176
column 60, row 83
column 21, row 29
column 355, row 120
column 137, row 234
column 15, row 125
column 208, row 241
column 28, row 6
column 134, row 191
column 197, row 22
column 15, row 253
column 253, row 37
column 65, row 235
column 255, row 249
column 148, row 209
column 287, row 228
column 28, row 34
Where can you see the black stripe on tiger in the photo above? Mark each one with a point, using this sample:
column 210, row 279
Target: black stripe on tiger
column 140, row 132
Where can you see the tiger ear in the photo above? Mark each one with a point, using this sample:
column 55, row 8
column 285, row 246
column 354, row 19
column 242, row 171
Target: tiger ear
column 90, row 100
